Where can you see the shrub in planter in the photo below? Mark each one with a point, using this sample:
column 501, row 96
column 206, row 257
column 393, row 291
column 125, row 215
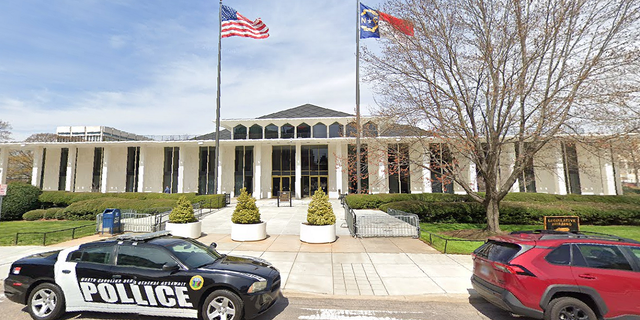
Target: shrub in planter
column 246, row 211
column 21, row 197
column 183, row 212
column 320, row 211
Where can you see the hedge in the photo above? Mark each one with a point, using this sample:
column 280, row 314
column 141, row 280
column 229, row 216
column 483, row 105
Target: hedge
column 65, row 198
column 374, row 201
column 520, row 212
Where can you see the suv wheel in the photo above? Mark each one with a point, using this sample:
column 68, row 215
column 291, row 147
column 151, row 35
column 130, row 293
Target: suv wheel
column 567, row 308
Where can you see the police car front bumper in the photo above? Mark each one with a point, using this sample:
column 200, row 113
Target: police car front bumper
column 259, row 303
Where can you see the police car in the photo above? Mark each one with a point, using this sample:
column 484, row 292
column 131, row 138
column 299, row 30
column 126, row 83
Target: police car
column 152, row 274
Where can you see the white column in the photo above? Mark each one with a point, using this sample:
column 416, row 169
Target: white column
column 473, row 176
column 257, row 171
column 105, row 169
column 426, row 163
column 4, row 164
column 562, row 180
column 220, row 173
column 37, row 169
column 383, row 179
column 143, row 153
column 298, row 170
column 71, row 172
column 181, row 158
column 339, row 161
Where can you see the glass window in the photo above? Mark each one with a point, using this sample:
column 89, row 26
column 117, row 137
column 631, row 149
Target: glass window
column 370, row 129
column 320, row 130
column 101, row 254
column 352, row 131
column 255, row 132
column 271, row 132
column 142, row 257
column 336, row 130
column 287, row 131
column 239, row 132
column 496, row 251
column 604, row 257
column 192, row 254
column 560, row 255
column 304, row 131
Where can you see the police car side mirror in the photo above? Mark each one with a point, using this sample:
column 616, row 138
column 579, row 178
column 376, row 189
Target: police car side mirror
column 170, row 266
column 213, row 246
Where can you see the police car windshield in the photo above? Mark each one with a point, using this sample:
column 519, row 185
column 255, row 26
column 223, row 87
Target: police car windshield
column 192, row 254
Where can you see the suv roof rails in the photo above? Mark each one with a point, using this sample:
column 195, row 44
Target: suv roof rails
column 142, row 237
column 552, row 234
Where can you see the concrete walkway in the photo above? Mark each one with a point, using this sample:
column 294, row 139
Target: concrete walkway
column 347, row 267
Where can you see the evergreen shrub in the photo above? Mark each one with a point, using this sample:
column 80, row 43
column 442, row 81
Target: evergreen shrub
column 246, row 211
column 21, row 197
column 320, row 211
column 183, row 212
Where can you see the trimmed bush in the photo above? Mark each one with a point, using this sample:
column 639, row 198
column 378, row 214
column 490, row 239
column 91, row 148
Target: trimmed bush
column 246, row 211
column 65, row 198
column 320, row 211
column 33, row 215
column 53, row 213
column 21, row 197
column 183, row 212
column 374, row 201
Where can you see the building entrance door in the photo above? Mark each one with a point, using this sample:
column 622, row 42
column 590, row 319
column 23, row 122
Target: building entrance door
column 311, row 183
column 282, row 183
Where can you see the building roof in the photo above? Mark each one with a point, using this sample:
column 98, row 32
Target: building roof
column 306, row 111
column 224, row 135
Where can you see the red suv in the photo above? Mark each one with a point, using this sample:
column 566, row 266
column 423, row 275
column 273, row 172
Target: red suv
column 560, row 275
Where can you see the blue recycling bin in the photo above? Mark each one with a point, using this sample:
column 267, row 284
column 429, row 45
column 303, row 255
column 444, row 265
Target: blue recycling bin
column 111, row 221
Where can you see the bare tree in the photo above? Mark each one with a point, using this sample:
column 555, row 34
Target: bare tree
column 485, row 75
column 21, row 161
column 5, row 131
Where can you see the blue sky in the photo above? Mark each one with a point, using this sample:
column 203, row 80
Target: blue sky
column 149, row 66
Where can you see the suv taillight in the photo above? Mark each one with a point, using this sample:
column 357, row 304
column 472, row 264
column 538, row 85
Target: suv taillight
column 513, row 269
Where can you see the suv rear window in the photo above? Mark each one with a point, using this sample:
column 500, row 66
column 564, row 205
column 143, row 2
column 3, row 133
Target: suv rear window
column 501, row 252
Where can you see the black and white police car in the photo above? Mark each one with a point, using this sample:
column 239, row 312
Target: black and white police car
column 152, row 274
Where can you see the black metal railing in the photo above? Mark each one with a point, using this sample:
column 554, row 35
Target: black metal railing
column 447, row 240
column 48, row 234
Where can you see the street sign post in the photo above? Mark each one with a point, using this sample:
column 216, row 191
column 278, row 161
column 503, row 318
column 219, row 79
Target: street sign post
column 3, row 192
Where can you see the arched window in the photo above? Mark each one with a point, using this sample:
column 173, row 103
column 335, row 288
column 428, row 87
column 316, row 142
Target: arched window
column 336, row 130
column 370, row 129
column 320, row 130
column 271, row 131
column 304, row 130
column 255, row 132
column 352, row 131
column 239, row 132
column 287, row 131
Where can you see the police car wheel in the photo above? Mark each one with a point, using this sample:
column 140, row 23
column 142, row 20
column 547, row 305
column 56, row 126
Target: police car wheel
column 46, row 302
column 222, row 305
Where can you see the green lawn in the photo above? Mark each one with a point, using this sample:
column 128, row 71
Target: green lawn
column 8, row 230
column 466, row 247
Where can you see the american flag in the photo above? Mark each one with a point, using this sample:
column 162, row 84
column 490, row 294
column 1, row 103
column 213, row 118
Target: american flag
column 235, row 24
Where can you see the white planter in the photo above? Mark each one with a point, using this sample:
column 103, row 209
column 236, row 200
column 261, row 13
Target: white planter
column 317, row 234
column 249, row 232
column 188, row 230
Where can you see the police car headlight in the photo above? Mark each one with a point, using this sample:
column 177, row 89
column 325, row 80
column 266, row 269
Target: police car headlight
column 257, row 286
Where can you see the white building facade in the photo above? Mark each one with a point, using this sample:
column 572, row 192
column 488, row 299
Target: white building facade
column 297, row 150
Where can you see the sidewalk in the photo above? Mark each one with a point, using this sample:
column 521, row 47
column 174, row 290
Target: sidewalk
column 349, row 266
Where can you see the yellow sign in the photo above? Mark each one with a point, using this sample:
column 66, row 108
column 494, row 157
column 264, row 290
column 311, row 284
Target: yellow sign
column 196, row 282
column 562, row 223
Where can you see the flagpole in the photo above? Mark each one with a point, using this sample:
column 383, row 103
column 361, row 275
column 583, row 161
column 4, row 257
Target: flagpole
column 359, row 173
column 217, row 157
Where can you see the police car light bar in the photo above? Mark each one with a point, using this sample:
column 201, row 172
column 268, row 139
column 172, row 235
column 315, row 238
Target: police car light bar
column 142, row 237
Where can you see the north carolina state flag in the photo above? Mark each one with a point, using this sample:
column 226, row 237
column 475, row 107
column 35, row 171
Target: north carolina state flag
column 371, row 21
